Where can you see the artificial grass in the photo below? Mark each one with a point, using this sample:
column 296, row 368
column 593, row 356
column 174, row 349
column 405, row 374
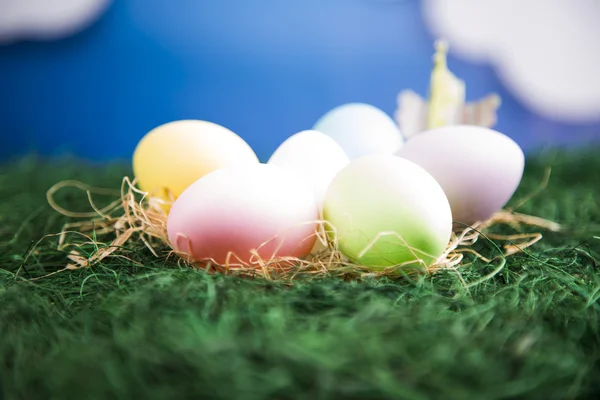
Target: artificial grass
column 122, row 330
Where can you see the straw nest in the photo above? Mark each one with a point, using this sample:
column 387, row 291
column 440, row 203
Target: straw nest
column 135, row 218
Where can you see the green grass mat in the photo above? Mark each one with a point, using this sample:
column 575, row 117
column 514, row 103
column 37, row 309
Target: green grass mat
column 121, row 331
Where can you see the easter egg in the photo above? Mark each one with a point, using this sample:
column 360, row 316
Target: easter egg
column 361, row 129
column 478, row 168
column 315, row 157
column 172, row 156
column 386, row 211
column 231, row 212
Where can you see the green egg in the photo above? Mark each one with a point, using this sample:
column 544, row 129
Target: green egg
column 384, row 211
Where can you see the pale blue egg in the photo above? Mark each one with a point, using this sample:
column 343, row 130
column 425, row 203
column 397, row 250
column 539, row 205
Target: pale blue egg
column 361, row 129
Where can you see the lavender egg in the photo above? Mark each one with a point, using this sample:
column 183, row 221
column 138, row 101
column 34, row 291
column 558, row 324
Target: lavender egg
column 478, row 168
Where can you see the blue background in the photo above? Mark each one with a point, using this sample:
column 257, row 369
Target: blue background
column 263, row 68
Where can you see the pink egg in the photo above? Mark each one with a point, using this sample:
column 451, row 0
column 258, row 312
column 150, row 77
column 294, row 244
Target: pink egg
column 228, row 213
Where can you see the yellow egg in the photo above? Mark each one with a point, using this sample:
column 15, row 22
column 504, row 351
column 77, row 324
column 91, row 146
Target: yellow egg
column 172, row 156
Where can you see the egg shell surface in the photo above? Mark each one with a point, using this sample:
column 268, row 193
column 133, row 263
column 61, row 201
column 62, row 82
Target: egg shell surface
column 478, row 168
column 390, row 206
column 172, row 156
column 315, row 157
column 240, row 209
column 361, row 129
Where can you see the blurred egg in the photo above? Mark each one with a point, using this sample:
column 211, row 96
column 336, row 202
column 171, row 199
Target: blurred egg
column 244, row 208
column 387, row 211
column 315, row 157
column 172, row 156
column 478, row 168
column 361, row 129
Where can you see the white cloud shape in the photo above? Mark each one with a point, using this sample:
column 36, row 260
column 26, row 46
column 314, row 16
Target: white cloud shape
column 547, row 52
column 46, row 19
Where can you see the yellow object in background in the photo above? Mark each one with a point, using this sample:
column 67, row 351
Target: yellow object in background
column 446, row 92
column 446, row 105
column 172, row 156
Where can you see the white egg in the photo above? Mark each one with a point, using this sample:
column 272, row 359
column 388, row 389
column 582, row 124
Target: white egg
column 316, row 158
column 361, row 129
